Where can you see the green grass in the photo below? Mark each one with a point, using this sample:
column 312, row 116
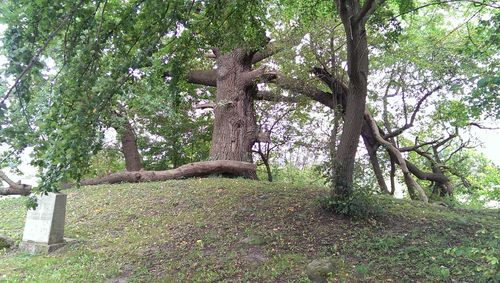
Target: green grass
column 192, row 231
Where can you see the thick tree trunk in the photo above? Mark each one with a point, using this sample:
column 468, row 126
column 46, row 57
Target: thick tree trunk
column 196, row 169
column 13, row 188
column 129, row 147
column 346, row 152
column 235, row 129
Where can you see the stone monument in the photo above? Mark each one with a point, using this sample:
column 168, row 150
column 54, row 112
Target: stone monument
column 44, row 228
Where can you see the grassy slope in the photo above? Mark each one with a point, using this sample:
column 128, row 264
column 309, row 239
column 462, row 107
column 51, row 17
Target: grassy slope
column 191, row 230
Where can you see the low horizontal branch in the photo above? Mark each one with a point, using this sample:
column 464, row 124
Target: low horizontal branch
column 208, row 105
column 196, row 169
column 22, row 190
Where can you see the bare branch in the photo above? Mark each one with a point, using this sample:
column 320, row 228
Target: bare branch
column 426, row 155
column 440, row 178
column 335, row 85
column 300, row 87
column 281, row 117
column 253, row 75
column 9, row 181
column 14, row 188
column 413, row 115
column 475, row 124
column 444, row 2
column 205, row 105
column 417, row 146
column 267, row 52
column 450, row 137
column 463, row 145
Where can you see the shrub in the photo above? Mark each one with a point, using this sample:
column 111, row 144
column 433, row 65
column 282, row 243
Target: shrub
column 360, row 204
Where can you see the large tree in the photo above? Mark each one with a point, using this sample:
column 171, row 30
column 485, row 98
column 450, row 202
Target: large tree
column 416, row 71
column 99, row 49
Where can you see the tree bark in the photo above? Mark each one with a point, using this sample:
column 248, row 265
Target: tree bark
column 129, row 147
column 203, row 77
column 268, row 170
column 235, row 128
column 357, row 61
column 23, row 191
column 372, row 154
column 413, row 186
column 13, row 188
column 196, row 169
column 264, row 156
column 392, row 175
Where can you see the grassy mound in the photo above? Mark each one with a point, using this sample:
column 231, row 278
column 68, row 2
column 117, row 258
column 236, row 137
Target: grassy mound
column 204, row 230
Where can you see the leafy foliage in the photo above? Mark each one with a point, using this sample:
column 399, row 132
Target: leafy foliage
column 105, row 57
column 106, row 161
column 360, row 204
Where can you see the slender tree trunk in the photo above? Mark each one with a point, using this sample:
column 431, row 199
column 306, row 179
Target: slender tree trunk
column 265, row 159
column 414, row 188
column 333, row 138
column 393, row 176
column 235, row 128
column 129, row 147
column 372, row 154
column 268, row 170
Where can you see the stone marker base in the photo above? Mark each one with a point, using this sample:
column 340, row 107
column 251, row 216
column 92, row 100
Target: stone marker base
column 44, row 227
column 39, row 248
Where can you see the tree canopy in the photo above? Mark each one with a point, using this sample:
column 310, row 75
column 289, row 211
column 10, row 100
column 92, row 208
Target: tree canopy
column 186, row 81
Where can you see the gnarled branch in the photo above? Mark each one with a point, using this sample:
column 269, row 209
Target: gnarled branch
column 267, row 52
column 367, row 10
column 208, row 105
column 413, row 115
column 298, row 86
column 196, row 169
column 410, row 182
column 14, row 188
column 202, row 77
